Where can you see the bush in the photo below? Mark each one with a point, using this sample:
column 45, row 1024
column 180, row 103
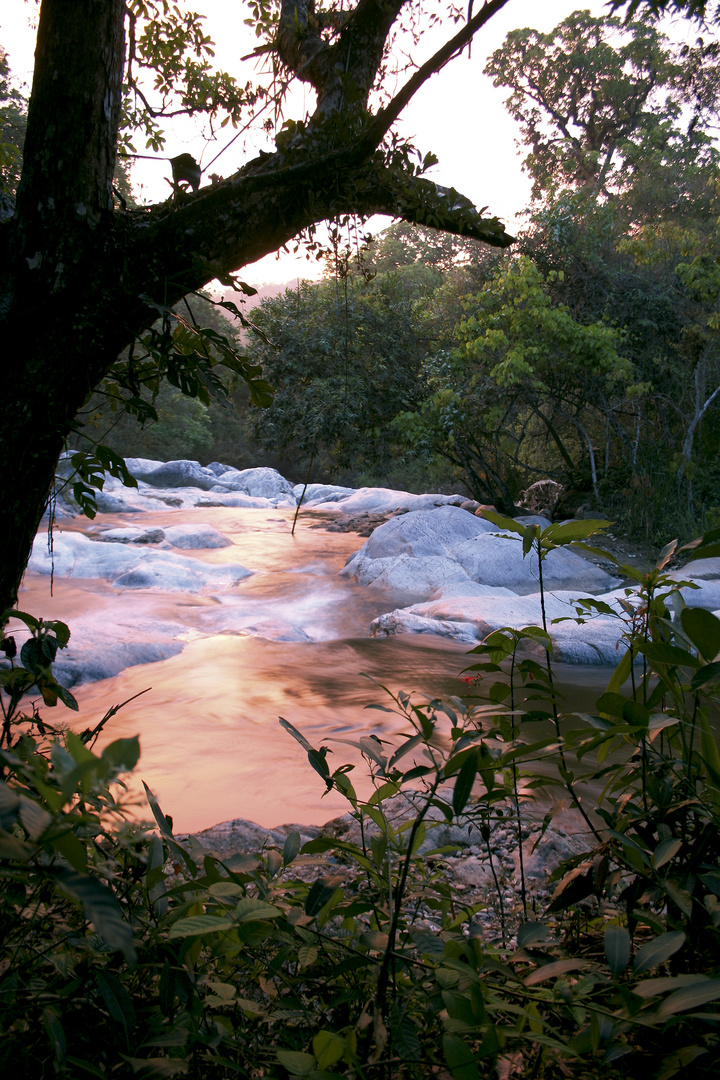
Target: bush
column 127, row 952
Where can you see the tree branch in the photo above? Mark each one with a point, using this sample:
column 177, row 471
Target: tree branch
column 387, row 116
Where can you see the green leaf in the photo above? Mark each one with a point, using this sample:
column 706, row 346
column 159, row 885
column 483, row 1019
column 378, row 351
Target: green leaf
column 55, row 1034
column 123, row 754
column 117, row 1001
column 703, row 629
column 250, row 910
column 100, row 907
column 621, row 673
column 553, row 970
column 664, row 852
column 679, row 896
column 327, row 1048
column 199, row 925
column 296, row 1063
column 656, row 952
column 291, row 847
column 459, row 1059
column 464, row 783
column 690, row 997
column 566, row 532
column 503, row 522
column 617, row 948
column 658, row 652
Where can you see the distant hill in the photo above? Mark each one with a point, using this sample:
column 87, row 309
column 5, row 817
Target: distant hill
column 265, row 292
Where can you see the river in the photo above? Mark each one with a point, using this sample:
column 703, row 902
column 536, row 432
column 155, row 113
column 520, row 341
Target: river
column 212, row 747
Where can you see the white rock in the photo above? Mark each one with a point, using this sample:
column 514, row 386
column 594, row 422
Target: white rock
column 139, row 467
column 319, row 493
column 384, row 500
column 180, row 474
column 250, row 501
column 75, row 555
column 497, row 560
column 130, row 535
column 426, row 551
column 262, row 483
column 594, row 642
column 412, row 578
column 190, row 537
column 418, row 533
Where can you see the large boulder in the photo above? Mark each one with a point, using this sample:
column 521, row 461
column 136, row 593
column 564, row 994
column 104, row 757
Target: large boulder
column 385, row 501
column 469, row 618
column 498, row 561
column 261, row 483
column 126, row 566
column 176, row 474
column 418, row 534
column 322, row 493
column 424, row 552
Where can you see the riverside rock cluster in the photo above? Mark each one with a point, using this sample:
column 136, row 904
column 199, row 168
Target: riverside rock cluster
column 445, row 570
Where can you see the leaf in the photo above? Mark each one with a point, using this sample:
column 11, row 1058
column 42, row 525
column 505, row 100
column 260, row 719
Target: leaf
column 307, row 955
column 553, row 970
column 35, row 820
column 656, row 952
column 100, row 907
column 296, row 1063
column 123, row 754
column 690, row 997
column 295, row 734
column 566, row 532
column 664, row 852
column 679, row 896
column 199, row 925
column 532, row 933
column 117, row 1001
column 703, row 629
column 617, row 948
column 320, row 893
column 327, row 1048
column 464, row 783
column 659, row 652
column 250, row 910
column 503, row 522
column 620, row 674
column 55, row 1034
column 157, row 1066
column 291, row 847
column 459, row 1059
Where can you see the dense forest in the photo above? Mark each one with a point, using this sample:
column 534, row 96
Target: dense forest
column 588, row 353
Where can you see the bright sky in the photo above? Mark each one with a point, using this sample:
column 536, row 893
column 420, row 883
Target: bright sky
column 458, row 115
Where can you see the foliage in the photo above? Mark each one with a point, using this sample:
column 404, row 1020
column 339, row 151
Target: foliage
column 345, row 357
column 606, row 115
column 507, row 405
column 12, row 132
column 191, row 964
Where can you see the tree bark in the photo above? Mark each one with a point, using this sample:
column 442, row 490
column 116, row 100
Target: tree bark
column 80, row 280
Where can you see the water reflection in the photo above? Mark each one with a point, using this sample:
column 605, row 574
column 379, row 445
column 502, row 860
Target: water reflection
column 212, row 748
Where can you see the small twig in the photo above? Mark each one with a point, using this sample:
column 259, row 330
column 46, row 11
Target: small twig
column 300, row 500
column 87, row 736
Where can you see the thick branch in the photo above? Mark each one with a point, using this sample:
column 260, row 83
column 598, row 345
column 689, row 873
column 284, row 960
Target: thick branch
column 249, row 216
column 387, row 116
column 341, row 71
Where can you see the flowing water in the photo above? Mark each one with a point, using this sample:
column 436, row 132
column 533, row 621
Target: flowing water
column 212, row 748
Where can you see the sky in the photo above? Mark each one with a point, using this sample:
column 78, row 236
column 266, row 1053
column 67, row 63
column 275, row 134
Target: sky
column 458, row 115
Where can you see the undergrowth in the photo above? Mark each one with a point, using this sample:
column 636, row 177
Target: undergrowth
column 125, row 952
